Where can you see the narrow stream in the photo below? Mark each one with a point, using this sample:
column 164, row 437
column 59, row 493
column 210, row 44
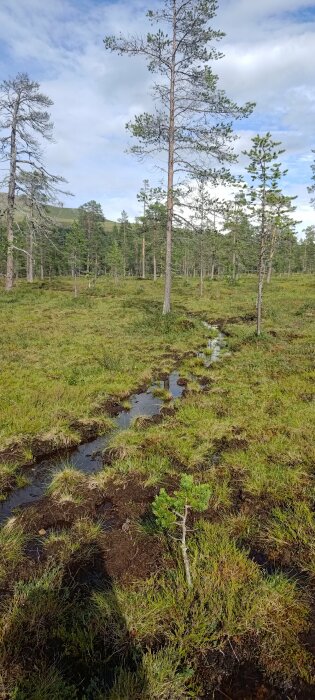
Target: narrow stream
column 88, row 456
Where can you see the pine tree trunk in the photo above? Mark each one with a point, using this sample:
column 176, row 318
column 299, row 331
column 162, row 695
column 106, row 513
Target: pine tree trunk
column 143, row 256
column 30, row 260
column 11, row 203
column 124, row 250
column 290, row 260
column 271, row 255
column 170, row 179
column 201, row 270
column 74, row 272
column 259, row 300
column 304, row 260
column 261, row 269
column 234, row 257
column 41, row 264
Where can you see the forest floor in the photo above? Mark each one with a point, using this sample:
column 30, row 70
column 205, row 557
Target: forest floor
column 95, row 604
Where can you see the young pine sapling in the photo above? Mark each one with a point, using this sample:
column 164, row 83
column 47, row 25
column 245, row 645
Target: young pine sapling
column 173, row 511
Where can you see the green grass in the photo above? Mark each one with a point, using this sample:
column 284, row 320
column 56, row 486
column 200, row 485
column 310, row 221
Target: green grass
column 66, row 485
column 62, row 358
column 12, row 540
column 248, row 435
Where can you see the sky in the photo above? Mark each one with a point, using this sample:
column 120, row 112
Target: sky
column 269, row 59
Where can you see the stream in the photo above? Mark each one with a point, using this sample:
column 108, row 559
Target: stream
column 87, row 457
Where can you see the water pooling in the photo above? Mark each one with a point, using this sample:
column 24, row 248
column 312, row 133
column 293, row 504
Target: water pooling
column 214, row 344
column 88, row 456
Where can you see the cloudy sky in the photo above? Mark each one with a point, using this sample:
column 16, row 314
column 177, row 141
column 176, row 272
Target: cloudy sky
column 269, row 58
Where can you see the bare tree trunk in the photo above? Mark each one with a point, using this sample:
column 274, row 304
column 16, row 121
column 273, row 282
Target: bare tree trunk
column 170, row 179
column 30, row 259
column 41, row 264
column 154, row 254
column 201, row 270
column 261, row 271
column 272, row 252
column 259, row 299
column 11, row 202
column 290, row 259
column 74, row 271
column 124, row 250
column 143, row 255
column 234, row 257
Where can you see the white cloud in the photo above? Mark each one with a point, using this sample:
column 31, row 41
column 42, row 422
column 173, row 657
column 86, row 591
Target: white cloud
column 269, row 59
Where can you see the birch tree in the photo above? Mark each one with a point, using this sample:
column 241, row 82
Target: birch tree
column 191, row 123
column 265, row 171
column 23, row 117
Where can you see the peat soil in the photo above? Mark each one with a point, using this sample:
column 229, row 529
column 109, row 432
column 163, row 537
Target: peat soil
column 126, row 551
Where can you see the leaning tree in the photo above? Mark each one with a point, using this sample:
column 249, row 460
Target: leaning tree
column 192, row 120
column 23, row 118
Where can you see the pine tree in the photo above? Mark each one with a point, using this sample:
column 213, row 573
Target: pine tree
column 191, row 123
column 265, row 171
column 91, row 219
column 311, row 189
column 75, row 248
column 38, row 190
column 23, row 116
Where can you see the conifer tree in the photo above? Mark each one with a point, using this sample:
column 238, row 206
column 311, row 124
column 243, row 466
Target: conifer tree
column 91, row 219
column 266, row 173
column 191, row 124
column 23, row 117
column 311, row 189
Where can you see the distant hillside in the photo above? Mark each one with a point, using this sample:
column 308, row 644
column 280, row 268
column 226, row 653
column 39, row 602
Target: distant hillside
column 62, row 215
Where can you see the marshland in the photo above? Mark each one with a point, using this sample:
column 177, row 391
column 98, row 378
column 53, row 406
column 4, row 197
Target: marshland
column 157, row 493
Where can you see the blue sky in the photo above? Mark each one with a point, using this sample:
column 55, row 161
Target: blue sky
column 269, row 59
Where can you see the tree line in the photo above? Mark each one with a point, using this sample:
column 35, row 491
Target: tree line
column 182, row 229
column 224, row 243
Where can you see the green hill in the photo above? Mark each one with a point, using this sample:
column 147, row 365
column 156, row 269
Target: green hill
column 62, row 215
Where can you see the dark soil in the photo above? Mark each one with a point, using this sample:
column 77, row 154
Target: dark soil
column 129, row 553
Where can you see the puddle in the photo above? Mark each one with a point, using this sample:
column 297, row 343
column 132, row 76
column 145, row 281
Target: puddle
column 88, row 456
column 215, row 346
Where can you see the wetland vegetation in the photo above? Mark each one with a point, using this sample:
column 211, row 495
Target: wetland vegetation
column 95, row 602
column 157, row 490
